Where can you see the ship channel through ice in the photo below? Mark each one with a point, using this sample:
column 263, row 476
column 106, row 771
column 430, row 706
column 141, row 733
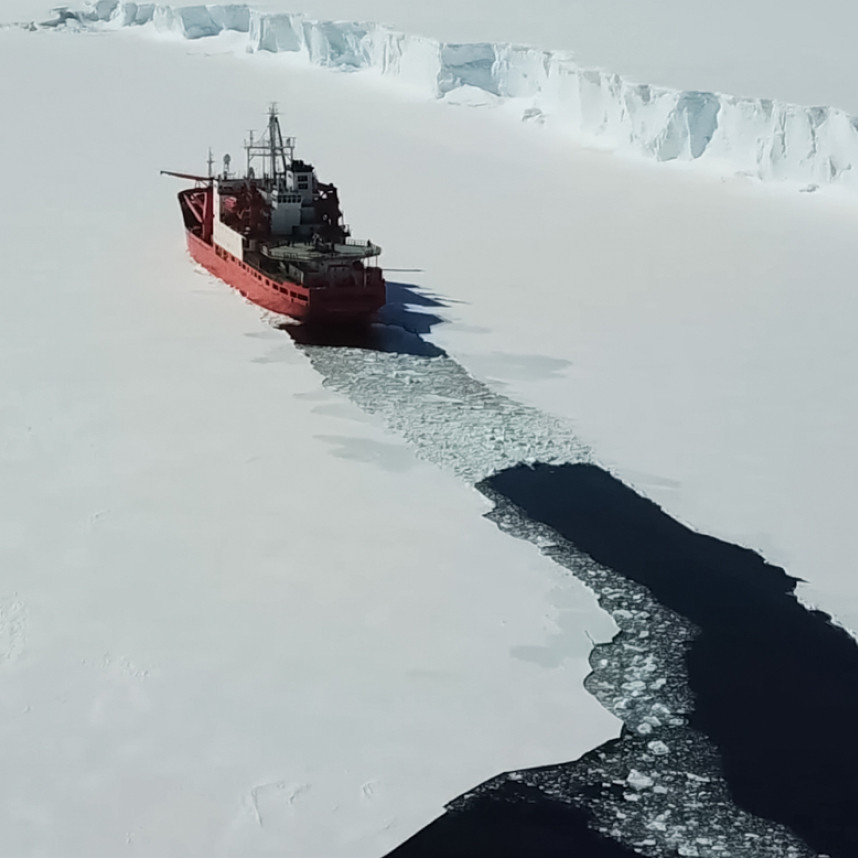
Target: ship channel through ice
column 660, row 787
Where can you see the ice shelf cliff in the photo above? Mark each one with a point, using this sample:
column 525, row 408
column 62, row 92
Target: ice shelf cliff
column 759, row 137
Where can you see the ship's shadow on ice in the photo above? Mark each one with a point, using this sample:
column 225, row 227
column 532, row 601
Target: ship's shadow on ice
column 398, row 329
column 411, row 308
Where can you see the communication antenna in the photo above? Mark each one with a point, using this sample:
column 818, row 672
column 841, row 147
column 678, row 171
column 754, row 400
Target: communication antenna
column 272, row 139
column 211, row 163
column 226, row 163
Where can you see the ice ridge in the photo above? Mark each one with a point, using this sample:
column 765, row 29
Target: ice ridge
column 759, row 137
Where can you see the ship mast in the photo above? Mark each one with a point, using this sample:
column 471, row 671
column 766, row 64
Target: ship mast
column 273, row 128
column 275, row 140
column 275, row 150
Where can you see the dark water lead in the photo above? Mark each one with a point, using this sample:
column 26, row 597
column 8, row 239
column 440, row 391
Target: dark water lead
column 774, row 685
column 513, row 821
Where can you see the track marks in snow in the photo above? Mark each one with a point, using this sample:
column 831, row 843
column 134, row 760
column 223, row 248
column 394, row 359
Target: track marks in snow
column 120, row 695
column 272, row 802
column 13, row 629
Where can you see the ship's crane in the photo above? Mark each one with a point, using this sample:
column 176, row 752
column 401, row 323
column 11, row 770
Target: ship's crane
column 188, row 176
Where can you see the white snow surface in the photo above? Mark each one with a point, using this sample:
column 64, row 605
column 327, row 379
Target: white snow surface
column 237, row 617
column 754, row 134
column 696, row 331
column 187, row 646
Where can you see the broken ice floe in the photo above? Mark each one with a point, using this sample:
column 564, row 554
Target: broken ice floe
column 449, row 417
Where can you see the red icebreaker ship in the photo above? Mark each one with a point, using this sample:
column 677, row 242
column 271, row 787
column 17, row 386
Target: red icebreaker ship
column 279, row 237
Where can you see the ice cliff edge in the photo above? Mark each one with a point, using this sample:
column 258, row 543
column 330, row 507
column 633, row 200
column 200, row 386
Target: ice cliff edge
column 760, row 137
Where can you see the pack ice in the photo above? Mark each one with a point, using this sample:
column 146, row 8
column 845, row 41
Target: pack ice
column 760, row 137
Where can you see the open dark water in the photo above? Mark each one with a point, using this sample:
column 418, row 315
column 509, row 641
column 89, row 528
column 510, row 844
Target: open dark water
column 775, row 686
column 514, row 821
column 740, row 705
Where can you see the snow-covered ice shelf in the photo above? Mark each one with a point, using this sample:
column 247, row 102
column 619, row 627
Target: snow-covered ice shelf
column 757, row 136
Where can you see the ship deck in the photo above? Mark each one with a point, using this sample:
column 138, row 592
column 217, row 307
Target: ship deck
column 305, row 251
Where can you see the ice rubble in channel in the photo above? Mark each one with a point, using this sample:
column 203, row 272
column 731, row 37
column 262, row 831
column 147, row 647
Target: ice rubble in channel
column 759, row 137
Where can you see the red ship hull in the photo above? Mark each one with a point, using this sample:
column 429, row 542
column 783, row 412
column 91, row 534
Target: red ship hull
column 277, row 235
column 341, row 304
